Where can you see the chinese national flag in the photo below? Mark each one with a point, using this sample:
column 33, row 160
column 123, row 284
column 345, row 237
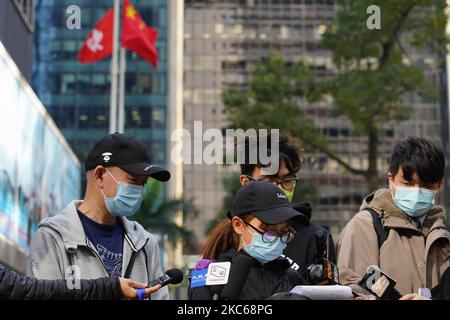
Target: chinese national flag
column 137, row 36
column 99, row 43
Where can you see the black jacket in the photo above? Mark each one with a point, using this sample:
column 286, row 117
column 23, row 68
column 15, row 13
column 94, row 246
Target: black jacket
column 262, row 282
column 442, row 290
column 13, row 286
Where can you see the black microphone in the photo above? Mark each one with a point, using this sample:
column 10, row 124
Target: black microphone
column 322, row 271
column 237, row 278
column 321, row 244
column 379, row 284
column 217, row 289
column 172, row 276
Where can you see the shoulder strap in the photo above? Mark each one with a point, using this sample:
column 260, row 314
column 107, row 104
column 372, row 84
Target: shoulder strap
column 382, row 232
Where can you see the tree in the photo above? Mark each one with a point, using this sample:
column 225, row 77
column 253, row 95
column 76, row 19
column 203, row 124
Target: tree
column 157, row 214
column 373, row 73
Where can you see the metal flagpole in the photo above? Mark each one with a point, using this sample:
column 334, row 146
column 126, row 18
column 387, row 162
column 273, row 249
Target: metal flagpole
column 114, row 70
column 123, row 69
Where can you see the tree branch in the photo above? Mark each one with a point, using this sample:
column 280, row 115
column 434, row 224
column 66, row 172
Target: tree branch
column 387, row 45
column 331, row 154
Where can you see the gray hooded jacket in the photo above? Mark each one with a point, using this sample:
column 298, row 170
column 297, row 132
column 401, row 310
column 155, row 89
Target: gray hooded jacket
column 60, row 243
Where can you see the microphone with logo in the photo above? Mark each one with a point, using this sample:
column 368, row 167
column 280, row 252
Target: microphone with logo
column 239, row 272
column 216, row 290
column 323, row 271
column 379, row 284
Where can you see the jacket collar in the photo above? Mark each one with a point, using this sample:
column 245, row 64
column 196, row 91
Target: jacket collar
column 393, row 217
column 68, row 225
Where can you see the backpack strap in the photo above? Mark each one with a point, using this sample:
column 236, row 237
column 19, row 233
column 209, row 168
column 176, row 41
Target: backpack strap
column 382, row 232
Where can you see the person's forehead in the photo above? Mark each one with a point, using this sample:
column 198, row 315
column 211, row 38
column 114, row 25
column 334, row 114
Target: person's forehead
column 413, row 178
column 414, row 175
column 281, row 225
column 283, row 171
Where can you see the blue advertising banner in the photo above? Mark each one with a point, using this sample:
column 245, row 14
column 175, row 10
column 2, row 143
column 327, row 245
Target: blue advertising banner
column 39, row 174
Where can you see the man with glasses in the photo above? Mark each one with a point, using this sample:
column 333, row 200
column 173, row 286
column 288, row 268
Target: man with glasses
column 306, row 248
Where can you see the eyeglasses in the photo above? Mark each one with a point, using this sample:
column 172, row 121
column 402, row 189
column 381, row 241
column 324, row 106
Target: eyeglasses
column 288, row 184
column 271, row 236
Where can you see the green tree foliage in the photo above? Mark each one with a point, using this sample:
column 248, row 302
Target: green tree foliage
column 157, row 214
column 374, row 72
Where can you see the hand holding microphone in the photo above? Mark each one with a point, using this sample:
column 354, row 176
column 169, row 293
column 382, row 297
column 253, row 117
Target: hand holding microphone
column 379, row 284
column 132, row 289
column 172, row 276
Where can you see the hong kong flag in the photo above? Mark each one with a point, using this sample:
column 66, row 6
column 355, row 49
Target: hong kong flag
column 99, row 43
column 137, row 36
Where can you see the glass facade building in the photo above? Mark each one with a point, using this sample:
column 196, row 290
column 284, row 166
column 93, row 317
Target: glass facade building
column 224, row 40
column 16, row 31
column 77, row 95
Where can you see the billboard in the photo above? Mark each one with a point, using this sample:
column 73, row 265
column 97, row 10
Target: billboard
column 39, row 173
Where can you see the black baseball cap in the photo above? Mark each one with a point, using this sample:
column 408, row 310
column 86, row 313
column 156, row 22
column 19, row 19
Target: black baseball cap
column 126, row 152
column 265, row 201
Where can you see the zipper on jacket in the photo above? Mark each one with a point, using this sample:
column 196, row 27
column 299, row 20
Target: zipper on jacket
column 97, row 255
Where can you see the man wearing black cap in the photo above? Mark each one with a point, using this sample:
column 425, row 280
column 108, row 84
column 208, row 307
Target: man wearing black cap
column 93, row 238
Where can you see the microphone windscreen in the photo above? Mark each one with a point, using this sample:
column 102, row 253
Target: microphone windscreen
column 176, row 275
column 237, row 278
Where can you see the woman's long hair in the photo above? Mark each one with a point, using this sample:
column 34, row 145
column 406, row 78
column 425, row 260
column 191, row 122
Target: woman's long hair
column 221, row 239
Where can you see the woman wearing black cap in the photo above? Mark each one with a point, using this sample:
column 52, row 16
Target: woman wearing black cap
column 258, row 227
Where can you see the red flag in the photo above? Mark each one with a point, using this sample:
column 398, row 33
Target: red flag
column 98, row 45
column 137, row 36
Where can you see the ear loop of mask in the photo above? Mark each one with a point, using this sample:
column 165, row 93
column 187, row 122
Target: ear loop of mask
column 242, row 238
column 101, row 189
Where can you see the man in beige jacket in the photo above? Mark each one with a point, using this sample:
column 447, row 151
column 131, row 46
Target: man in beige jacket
column 411, row 247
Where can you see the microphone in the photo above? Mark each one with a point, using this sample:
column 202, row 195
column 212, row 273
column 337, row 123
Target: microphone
column 321, row 244
column 237, row 278
column 323, row 272
column 216, row 290
column 379, row 284
column 172, row 276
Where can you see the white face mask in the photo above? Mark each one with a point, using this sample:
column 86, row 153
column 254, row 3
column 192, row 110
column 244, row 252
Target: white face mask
column 415, row 202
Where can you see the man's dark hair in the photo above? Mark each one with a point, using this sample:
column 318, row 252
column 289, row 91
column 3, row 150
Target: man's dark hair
column 289, row 149
column 418, row 155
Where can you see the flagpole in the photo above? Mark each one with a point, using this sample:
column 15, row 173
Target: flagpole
column 114, row 70
column 123, row 69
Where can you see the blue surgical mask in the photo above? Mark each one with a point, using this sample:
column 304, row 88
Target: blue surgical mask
column 262, row 251
column 127, row 200
column 415, row 202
